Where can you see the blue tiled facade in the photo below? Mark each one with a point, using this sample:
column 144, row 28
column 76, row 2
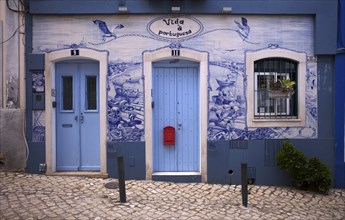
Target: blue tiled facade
column 227, row 75
column 226, row 39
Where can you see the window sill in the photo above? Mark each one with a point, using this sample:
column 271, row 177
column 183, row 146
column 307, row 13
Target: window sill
column 276, row 122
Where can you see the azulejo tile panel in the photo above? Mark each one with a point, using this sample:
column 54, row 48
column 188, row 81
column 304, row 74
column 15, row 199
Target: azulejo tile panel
column 225, row 39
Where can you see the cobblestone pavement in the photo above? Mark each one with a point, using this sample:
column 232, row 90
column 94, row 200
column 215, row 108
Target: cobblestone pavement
column 27, row 196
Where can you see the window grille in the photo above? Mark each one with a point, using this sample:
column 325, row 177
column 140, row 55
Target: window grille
column 267, row 105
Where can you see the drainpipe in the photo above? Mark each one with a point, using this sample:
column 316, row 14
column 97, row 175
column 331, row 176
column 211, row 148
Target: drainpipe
column 3, row 52
column 21, row 58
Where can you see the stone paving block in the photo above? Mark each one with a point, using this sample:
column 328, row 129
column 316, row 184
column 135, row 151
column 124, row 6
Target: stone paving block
column 26, row 196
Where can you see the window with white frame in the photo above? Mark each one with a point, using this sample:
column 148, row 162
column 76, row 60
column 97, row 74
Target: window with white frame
column 268, row 104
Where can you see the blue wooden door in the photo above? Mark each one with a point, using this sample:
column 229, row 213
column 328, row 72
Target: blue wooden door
column 175, row 96
column 77, row 116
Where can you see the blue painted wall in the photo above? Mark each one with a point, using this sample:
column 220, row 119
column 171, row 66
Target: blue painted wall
column 36, row 157
column 34, row 84
column 225, row 158
column 133, row 156
column 340, row 99
column 340, row 118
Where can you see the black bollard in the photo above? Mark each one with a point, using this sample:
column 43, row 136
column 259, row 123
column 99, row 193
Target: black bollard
column 244, row 181
column 121, row 174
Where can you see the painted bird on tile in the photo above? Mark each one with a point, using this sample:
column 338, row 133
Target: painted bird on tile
column 243, row 28
column 105, row 30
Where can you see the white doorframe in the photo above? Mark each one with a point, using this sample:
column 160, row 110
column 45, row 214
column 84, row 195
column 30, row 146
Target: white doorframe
column 50, row 114
column 186, row 54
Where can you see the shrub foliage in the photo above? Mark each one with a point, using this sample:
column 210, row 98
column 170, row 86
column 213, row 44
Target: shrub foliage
column 307, row 173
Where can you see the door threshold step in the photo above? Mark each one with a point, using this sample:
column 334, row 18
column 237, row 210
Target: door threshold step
column 80, row 174
column 178, row 177
column 175, row 173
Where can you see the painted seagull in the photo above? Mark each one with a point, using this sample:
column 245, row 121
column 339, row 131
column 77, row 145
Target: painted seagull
column 104, row 29
column 243, row 28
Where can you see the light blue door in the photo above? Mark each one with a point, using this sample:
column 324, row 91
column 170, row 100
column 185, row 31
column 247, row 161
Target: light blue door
column 175, row 97
column 77, row 116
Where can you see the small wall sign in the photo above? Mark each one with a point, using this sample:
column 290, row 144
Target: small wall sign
column 74, row 52
column 174, row 28
column 175, row 53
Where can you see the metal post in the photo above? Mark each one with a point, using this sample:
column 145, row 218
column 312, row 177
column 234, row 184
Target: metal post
column 244, row 187
column 121, row 174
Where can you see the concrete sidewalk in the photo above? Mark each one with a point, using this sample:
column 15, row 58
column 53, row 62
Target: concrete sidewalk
column 27, row 196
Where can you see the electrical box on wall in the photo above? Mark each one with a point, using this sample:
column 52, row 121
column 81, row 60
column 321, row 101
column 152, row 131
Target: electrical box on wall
column 38, row 102
column 36, row 65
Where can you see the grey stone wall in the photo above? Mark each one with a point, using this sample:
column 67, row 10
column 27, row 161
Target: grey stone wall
column 12, row 143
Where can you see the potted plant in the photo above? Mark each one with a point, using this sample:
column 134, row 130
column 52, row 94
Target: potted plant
column 282, row 88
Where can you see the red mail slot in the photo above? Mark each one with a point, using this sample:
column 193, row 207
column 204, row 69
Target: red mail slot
column 169, row 135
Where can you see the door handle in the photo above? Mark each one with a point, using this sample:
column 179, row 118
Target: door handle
column 81, row 118
column 179, row 126
column 76, row 117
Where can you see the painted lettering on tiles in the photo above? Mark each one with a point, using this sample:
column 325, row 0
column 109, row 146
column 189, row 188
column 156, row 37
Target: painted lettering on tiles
column 175, row 27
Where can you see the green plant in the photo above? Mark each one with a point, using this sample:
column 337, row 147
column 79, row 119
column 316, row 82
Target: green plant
column 318, row 175
column 307, row 173
column 287, row 85
column 284, row 85
column 293, row 161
